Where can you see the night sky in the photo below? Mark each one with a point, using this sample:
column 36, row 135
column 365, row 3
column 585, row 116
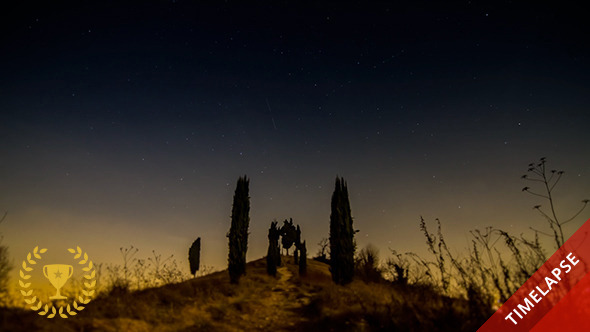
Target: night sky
column 129, row 124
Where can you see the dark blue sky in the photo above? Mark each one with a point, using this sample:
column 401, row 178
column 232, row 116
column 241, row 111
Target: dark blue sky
column 130, row 123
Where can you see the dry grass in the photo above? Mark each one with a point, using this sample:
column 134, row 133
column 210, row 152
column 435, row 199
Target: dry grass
column 381, row 306
column 261, row 303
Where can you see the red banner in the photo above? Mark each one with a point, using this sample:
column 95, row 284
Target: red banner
column 554, row 297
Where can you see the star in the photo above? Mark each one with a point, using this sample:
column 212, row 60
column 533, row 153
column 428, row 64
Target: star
column 58, row 274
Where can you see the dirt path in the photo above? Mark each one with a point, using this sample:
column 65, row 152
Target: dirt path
column 285, row 276
column 283, row 302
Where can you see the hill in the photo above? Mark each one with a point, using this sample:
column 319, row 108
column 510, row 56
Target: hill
column 261, row 303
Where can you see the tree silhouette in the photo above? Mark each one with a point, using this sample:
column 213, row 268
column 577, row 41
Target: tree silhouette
column 194, row 256
column 273, row 254
column 296, row 253
column 303, row 260
column 288, row 234
column 322, row 254
column 342, row 244
column 238, row 232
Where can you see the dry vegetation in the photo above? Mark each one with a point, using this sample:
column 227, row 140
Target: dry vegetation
column 442, row 292
column 261, row 303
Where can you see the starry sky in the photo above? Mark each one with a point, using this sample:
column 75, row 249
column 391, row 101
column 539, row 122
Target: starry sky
column 128, row 123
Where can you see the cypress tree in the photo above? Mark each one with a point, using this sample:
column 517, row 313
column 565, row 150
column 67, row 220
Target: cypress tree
column 273, row 255
column 341, row 236
column 297, row 245
column 278, row 253
column 194, row 256
column 238, row 232
column 303, row 260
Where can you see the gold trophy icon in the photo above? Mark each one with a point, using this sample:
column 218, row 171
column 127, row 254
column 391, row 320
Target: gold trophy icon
column 58, row 275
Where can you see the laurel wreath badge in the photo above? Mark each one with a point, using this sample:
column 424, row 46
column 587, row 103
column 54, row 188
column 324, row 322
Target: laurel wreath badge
column 87, row 292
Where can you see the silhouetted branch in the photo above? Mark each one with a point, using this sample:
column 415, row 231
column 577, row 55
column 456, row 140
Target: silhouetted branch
column 577, row 213
column 556, row 180
column 525, row 177
column 527, row 189
column 538, row 231
column 538, row 208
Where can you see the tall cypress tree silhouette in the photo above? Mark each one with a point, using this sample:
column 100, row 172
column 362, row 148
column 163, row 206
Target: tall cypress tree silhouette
column 341, row 235
column 238, row 232
column 273, row 254
column 297, row 251
column 194, row 256
column 303, row 260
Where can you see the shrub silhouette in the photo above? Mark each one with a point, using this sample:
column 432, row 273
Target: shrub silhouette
column 367, row 264
column 398, row 268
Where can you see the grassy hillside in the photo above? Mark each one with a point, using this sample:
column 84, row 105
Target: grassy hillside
column 262, row 303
